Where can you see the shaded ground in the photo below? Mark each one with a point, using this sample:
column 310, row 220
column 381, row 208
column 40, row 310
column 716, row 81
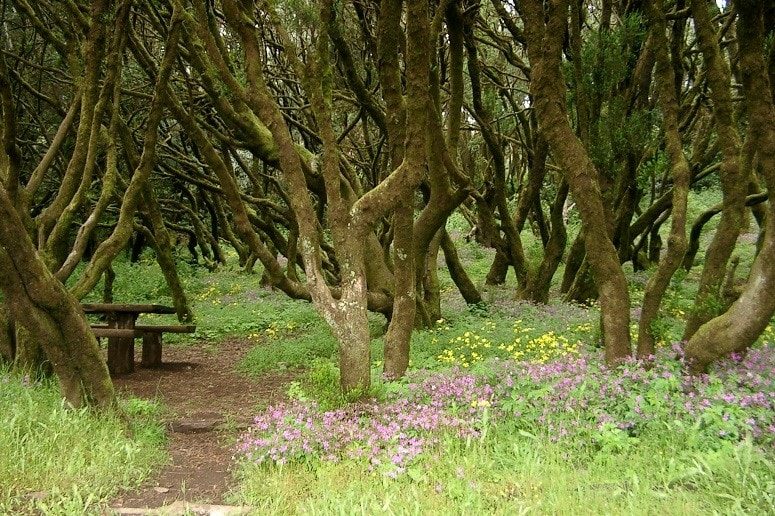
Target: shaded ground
column 208, row 403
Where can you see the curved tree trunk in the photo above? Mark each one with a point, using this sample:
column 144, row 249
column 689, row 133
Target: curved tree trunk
column 458, row 272
column 539, row 282
column 547, row 85
column 110, row 247
column 430, row 281
column 573, row 262
column 583, row 290
column 676, row 246
column 499, row 268
column 402, row 321
column 733, row 180
column 166, row 258
column 30, row 357
column 7, row 336
column 747, row 317
column 54, row 318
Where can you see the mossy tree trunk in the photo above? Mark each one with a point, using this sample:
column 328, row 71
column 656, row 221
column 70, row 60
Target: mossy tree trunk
column 676, row 245
column 540, row 280
column 32, row 296
column 53, row 317
column 7, row 335
column 573, row 262
column 747, row 317
column 733, row 180
column 544, row 32
column 457, row 271
column 350, row 225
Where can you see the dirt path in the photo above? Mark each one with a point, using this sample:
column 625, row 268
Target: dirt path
column 208, row 403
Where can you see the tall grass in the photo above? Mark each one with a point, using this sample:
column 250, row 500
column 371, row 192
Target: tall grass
column 513, row 473
column 54, row 459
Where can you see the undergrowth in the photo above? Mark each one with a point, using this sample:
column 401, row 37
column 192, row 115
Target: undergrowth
column 58, row 460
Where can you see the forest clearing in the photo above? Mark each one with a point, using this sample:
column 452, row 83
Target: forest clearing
column 387, row 257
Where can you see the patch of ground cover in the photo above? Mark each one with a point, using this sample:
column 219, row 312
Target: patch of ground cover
column 508, row 473
column 566, row 436
column 207, row 403
column 54, row 459
column 288, row 334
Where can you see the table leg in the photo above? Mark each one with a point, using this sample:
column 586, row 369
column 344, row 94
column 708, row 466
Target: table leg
column 121, row 350
column 151, row 350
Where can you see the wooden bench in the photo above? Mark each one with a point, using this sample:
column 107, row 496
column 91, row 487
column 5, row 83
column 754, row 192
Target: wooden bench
column 121, row 331
column 151, row 335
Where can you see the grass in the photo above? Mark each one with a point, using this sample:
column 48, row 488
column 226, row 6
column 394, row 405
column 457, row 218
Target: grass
column 514, row 470
column 513, row 473
column 56, row 460
column 517, row 465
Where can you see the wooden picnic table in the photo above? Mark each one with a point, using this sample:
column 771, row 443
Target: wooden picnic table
column 121, row 318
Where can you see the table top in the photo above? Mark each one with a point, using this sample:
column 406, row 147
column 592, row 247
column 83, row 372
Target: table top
column 112, row 308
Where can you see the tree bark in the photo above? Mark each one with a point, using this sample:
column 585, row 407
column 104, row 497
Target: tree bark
column 573, row 262
column 7, row 335
column 540, row 281
column 457, row 271
column 733, row 181
column 166, row 258
column 53, row 317
column 676, row 243
column 547, row 86
column 747, row 317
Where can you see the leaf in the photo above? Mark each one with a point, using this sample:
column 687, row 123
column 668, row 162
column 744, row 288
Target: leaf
column 416, row 474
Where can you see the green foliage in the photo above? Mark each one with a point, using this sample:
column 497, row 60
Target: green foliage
column 513, row 471
column 607, row 60
column 653, row 170
column 57, row 460
column 316, row 342
column 608, row 57
column 298, row 16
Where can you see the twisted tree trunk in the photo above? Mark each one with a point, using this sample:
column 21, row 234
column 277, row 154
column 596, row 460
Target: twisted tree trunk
column 547, row 85
column 747, row 317
column 679, row 166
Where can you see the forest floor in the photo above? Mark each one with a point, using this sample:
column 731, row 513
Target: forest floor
column 547, row 429
column 207, row 403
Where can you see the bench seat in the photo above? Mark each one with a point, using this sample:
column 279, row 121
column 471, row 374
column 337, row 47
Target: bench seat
column 104, row 330
column 151, row 334
column 171, row 328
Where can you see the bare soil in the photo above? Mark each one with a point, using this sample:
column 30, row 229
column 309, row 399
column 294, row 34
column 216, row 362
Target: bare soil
column 208, row 403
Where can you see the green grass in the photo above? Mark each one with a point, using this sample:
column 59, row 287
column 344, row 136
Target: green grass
column 57, row 460
column 299, row 351
column 515, row 473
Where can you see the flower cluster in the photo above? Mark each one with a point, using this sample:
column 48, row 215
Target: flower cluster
column 466, row 349
column 388, row 435
column 574, row 397
column 577, row 396
column 471, row 347
column 547, row 347
column 275, row 330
